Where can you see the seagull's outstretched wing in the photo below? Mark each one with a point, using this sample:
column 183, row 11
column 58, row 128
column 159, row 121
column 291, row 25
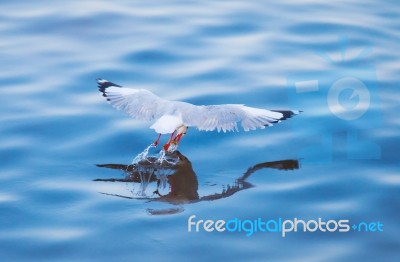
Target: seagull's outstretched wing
column 142, row 104
column 138, row 103
column 226, row 117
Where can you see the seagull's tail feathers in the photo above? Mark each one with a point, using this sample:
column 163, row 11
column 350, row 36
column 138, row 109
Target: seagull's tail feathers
column 104, row 84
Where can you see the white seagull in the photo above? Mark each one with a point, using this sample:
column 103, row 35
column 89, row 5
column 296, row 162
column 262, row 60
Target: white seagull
column 175, row 117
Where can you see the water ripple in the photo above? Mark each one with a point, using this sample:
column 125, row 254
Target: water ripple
column 55, row 127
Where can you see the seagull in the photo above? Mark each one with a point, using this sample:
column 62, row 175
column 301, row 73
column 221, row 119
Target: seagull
column 175, row 117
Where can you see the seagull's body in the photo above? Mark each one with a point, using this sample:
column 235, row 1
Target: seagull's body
column 176, row 117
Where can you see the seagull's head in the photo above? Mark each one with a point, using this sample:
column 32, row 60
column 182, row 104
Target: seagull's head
column 182, row 130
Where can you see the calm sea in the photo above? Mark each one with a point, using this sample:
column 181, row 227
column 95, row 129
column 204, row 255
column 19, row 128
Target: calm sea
column 338, row 61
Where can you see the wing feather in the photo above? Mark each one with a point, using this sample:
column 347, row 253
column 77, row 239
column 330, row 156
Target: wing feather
column 142, row 104
column 137, row 103
column 225, row 117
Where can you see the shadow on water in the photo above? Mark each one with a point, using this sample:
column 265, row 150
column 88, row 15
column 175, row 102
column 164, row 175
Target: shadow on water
column 176, row 171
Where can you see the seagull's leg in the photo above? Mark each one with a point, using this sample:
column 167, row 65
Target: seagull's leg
column 158, row 140
column 178, row 138
column 166, row 146
column 181, row 131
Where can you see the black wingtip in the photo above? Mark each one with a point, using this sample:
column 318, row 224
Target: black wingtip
column 287, row 113
column 104, row 84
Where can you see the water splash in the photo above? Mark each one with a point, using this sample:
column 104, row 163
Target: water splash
column 148, row 165
column 145, row 175
column 163, row 156
column 143, row 156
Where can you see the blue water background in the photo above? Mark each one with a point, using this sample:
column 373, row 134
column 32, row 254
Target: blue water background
column 55, row 127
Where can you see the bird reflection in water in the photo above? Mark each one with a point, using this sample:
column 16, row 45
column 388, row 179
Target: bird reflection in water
column 176, row 171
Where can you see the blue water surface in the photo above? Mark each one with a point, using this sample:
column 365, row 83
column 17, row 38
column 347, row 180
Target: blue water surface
column 55, row 128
